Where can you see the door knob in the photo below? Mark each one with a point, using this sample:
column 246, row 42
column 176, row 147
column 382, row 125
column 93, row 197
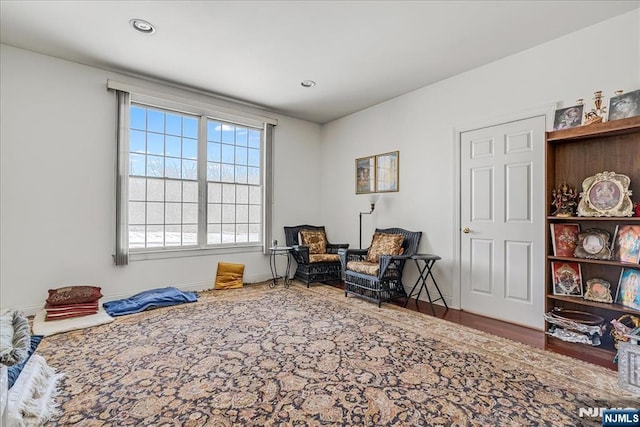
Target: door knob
column 466, row 230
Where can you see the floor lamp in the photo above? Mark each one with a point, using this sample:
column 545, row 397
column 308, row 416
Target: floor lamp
column 372, row 201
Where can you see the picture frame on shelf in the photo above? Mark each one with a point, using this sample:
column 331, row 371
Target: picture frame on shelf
column 387, row 172
column 598, row 290
column 567, row 278
column 627, row 243
column 564, row 238
column 593, row 244
column 628, row 293
column 366, row 175
column 606, row 194
column 566, row 118
column 624, row 105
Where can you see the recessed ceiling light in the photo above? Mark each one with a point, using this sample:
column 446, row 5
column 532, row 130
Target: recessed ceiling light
column 142, row 26
column 307, row 83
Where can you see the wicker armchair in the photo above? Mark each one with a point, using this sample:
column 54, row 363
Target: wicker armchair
column 382, row 281
column 315, row 263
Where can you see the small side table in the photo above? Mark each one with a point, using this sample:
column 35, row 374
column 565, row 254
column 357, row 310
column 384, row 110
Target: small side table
column 282, row 251
column 427, row 261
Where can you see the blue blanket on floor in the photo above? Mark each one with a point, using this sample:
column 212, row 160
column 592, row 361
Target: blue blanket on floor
column 146, row 300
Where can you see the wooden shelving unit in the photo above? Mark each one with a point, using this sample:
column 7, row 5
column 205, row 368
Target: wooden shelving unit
column 571, row 156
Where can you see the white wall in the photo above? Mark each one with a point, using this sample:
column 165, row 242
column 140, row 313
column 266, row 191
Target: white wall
column 57, row 154
column 57, row 187
column 421, row 126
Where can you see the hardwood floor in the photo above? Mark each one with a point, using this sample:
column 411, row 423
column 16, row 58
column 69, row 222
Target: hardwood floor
column 507, row 330
column 496, row 327
column 513, row 332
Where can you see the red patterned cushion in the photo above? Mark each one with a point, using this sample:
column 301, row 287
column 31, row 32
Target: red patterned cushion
column 74, row 295
column 62, row 316
column 71, row 307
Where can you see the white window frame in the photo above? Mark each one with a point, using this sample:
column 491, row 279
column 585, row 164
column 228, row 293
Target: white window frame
column 197, row 104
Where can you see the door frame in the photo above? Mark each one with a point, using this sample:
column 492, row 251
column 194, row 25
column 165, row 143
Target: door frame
column 546, row 110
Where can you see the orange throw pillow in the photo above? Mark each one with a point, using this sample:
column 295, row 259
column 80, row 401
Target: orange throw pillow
column 229, row 276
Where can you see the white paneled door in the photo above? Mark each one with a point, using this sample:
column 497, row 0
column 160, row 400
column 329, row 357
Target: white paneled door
column 502, row 221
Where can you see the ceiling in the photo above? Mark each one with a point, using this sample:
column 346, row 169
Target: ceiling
column 360, row 53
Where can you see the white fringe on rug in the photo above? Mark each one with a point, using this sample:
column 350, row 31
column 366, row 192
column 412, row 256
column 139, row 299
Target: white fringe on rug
column 31, row 400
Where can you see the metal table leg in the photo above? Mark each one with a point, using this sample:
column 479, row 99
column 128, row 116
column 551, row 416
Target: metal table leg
column 424, row 272
column 275, row 251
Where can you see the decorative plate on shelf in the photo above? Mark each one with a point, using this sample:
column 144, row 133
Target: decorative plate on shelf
column 606, row 194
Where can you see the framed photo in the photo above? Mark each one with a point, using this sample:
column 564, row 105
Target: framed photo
column 598, row 290
column 365, row 175
column 567, row 278
column 387, row 172
column 606, row 194
column 564, row 238
column 593, row 244
column 629, row 288
column 569, row 117
column 625, row 105
column 627, row 243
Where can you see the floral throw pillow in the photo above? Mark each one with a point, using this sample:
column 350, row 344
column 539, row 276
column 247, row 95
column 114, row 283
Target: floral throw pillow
column 315, row 239
column 384, row 244
column 74, row 295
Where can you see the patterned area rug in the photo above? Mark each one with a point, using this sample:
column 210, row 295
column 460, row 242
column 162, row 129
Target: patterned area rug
column 298, row 356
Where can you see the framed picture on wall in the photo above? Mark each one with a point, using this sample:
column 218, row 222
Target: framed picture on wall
column 569, row 117
column 387, row 172
column 365, row 175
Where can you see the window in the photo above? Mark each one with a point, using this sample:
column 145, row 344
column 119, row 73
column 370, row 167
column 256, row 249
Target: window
column 171, row 204
column 192, row 177
column 193, row 182
column 234, row 193
column 163, row 178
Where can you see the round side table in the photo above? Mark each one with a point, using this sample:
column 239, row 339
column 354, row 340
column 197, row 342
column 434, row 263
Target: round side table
column 275, row 252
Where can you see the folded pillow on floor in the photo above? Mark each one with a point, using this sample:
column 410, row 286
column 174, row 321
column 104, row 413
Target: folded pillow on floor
column 67, row 311
column 6, row 332
column 146, row 300
column 17, row 350
column 31, row 400
column 229, row 276
column 31, row 385
column 51, row 327
column 13, row 372
column 74, row 295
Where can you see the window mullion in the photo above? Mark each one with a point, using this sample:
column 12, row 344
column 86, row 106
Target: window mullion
column 202, row 182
